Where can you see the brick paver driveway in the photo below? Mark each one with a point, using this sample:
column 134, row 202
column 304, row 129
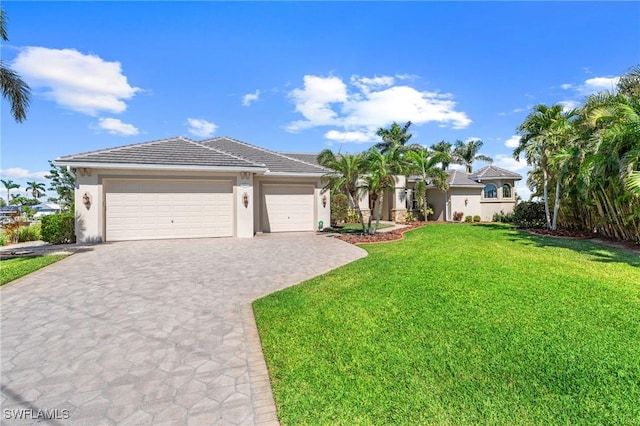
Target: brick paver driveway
column 151, row 332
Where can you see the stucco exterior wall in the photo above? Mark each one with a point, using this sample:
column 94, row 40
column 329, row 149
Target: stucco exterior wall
column 437, row 199
column 91, row 224
column 490, row 206
column 465, row 200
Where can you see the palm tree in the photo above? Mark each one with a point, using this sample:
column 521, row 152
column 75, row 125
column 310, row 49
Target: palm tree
column 535, row 143
column 466, row 154
column 447, row 150
column 380, row 176
column 394, row 136
column 9, row 185
column 424, row 164
column 37, row 189
column 345, row 177
column 13, row 88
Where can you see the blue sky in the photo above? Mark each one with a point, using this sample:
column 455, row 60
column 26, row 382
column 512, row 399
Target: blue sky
column 300, row 76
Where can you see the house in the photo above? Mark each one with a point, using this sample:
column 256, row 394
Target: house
column 8, row 213
column 44, row 209
column 483, row 193
column 180, row 188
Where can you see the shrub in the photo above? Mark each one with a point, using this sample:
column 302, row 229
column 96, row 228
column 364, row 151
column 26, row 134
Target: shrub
column 3, row 239
column 468, row 219
column 339, row 209
column 352, row 216
column 411, row 216
column 58, row 228
column 457, row 216
column 503, row 217
column 477, row 218
column 11, row 230
column 529, row 214
column 29, row 233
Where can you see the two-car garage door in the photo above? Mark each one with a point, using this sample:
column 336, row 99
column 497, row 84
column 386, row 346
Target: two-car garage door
column 155, row 209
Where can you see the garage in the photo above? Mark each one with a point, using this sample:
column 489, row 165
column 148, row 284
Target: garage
column 157, row 209
column 287, row 208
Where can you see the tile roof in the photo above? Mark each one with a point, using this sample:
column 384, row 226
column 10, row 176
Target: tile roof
column 276, row 162
column 492, row 172
column 309, row 158
column 174, row 151
column 460, row 178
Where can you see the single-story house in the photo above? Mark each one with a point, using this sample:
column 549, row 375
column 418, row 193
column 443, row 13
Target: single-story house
column 180, row 188
column 483, row 193
column 44, row 209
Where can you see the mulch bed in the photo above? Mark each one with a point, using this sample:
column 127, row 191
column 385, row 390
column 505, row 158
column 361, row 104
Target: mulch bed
column 583, row 235
column 381, row 237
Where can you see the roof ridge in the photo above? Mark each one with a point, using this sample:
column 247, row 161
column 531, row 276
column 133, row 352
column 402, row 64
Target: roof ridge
column 226, row 153
column 128, row 146
column 270, row 151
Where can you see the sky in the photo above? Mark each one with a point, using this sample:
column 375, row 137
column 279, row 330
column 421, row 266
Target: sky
column 301, row 76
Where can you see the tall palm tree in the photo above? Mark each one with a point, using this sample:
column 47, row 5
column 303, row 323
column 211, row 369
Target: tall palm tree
column 424, row 164
column 347, row 170
column 447, row 150
column 13, row 87
column 380, row 176
column 467, row 153
column 8, row 186
column 36, row 189
column 535, row 144
column 394, row 136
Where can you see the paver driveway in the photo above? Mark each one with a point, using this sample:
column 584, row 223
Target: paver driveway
column 152, row 332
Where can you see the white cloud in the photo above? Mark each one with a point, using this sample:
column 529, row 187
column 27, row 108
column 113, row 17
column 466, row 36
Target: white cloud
column 79, row 82
column 523, row 190
column 202, row 128
column 249, row 98
column 599, row 84
column 566, row 86
column 512, row 142
column 472, row 138
column 569, row 105
column 20, row 173
column 368, row 104
column 116, row 127
column 510, row 163
column 336, row 135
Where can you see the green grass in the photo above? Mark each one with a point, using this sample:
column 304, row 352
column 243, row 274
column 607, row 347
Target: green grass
column 12, row 269
column 460, row 325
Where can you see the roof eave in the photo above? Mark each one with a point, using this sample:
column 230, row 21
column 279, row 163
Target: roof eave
column 298, row 174
column 176, row 167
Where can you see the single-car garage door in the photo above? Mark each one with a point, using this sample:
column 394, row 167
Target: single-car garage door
column 155, row 209
column 287, row 208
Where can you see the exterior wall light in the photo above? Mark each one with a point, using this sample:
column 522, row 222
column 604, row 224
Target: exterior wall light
column 466, row 201
column 324, row 201
column 86, row 200
column 245, row 200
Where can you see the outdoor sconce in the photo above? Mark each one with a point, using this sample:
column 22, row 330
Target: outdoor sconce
column 245, row 200
column 324, row 201
column 466, row 201
column 86, row 200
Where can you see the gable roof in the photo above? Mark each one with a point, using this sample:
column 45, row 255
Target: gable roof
column 274, row 161
column 494, row 172
column 166, row 152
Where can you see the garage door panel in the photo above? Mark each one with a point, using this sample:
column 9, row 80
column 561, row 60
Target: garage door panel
column 168, row 209
column 288, row 208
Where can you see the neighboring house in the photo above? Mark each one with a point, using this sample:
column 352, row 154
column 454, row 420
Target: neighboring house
column 7, row 213
column 180, row 188
column 44, row 209
column 483, row 193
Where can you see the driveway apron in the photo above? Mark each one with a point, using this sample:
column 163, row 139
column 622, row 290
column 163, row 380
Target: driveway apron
column 151, row 332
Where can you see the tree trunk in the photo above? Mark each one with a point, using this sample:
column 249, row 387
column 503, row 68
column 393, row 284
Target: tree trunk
column 354, row 202
column 556, row 205
column 379, row 211
column 545, row 185
column 426, row 203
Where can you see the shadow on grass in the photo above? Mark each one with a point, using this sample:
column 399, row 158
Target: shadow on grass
column 598, row 252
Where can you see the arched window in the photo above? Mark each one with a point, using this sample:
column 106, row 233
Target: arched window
column 506, row 191
column 490, row 191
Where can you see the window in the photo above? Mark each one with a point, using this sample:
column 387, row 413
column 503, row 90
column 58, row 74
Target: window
column 506, row 191
column 490, row 191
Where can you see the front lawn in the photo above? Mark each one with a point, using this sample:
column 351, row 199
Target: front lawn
column 11, row 269
column 460, row 325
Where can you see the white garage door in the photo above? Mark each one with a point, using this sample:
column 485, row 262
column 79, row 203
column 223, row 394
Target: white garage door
column 288, row 208
column 152, row 209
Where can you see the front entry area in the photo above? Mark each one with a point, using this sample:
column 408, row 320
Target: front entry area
column 160, row 209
